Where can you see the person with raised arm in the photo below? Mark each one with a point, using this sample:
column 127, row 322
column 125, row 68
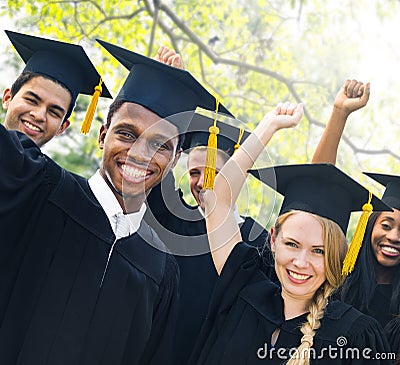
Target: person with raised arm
column 373, row 287
column 250, row 318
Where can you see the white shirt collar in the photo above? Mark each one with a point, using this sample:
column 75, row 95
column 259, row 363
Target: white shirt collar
column 239, row 219
column 110, row 204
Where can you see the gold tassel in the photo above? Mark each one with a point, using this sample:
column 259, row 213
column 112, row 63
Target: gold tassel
column 211, row 157
column 92, row 108
column 237, row 145
column 355, row 245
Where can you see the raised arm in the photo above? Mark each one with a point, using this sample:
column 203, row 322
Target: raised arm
column 352, row 96
column 222, row 229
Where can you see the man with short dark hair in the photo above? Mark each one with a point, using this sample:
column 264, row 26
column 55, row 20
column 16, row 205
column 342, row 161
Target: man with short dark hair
column 41, row 100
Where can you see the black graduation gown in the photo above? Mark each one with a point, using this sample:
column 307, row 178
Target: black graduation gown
column 246, row 308
column 380, row 303
column 60, row 301
column 181, row 233
column 392, row 332
column 171, row 217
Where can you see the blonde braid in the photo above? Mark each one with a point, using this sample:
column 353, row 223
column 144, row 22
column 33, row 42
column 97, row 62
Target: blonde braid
column 316, row 309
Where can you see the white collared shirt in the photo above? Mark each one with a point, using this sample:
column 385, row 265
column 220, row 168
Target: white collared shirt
column 239, row 219
column 110, row 204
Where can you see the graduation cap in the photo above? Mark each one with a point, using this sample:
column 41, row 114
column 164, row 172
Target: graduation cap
column 229, row 136
column 165, row 90
column 324, row 190
column 64, row 62
column 391, row 195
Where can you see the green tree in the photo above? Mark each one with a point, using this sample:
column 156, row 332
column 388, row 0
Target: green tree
column 250, row 53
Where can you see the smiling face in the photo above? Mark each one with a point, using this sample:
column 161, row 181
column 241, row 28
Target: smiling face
column 139, row 148
column 196, row 164
column 38, row 109
column 299, row 256
column 385, row 239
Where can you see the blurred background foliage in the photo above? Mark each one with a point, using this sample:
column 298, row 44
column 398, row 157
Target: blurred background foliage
column 253, row 54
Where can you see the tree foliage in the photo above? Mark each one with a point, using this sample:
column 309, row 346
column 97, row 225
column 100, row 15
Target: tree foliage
column 251, row 53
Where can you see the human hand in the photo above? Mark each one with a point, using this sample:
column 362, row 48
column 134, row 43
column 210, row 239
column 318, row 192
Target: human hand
column 285, row 115
column 169, row 57
column 352, row 96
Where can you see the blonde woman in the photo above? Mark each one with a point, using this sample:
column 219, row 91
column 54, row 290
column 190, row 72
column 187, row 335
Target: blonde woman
column 251, row 320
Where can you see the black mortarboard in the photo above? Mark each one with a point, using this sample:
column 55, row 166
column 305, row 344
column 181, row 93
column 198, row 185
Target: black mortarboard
column 229, row 136
column 324, row 190
column 163, row 89
column 65, row 62
column 391, row 195
column 321, row 189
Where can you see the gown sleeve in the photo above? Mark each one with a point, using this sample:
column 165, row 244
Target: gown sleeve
column 243, row 262
column 243, row 267
column 22, row 171
column 254, row 234
column 367, row 336
column 21, row 165
column 392, row 332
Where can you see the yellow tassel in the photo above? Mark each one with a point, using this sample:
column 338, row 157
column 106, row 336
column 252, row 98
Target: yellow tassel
column 92, row 108
column 355, row 245
column 211, row 157
column 237, row 145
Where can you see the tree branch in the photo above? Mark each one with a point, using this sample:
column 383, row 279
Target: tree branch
column 117, row 17
column 154, row 26
column 162, row 25
column 204, row 48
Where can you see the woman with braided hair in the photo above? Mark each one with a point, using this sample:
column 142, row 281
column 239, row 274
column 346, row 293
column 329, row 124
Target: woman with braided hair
column 251, row 320
column 333, row 254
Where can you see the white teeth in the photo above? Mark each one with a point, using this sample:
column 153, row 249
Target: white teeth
column 31, row 126
column 298, row 276
column 389, row 249
column 132, row 172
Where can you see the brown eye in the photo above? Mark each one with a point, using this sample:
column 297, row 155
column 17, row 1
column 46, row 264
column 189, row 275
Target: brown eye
column 159, row 146
column 31, row 100
column 55, row 113
column 125, row 134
